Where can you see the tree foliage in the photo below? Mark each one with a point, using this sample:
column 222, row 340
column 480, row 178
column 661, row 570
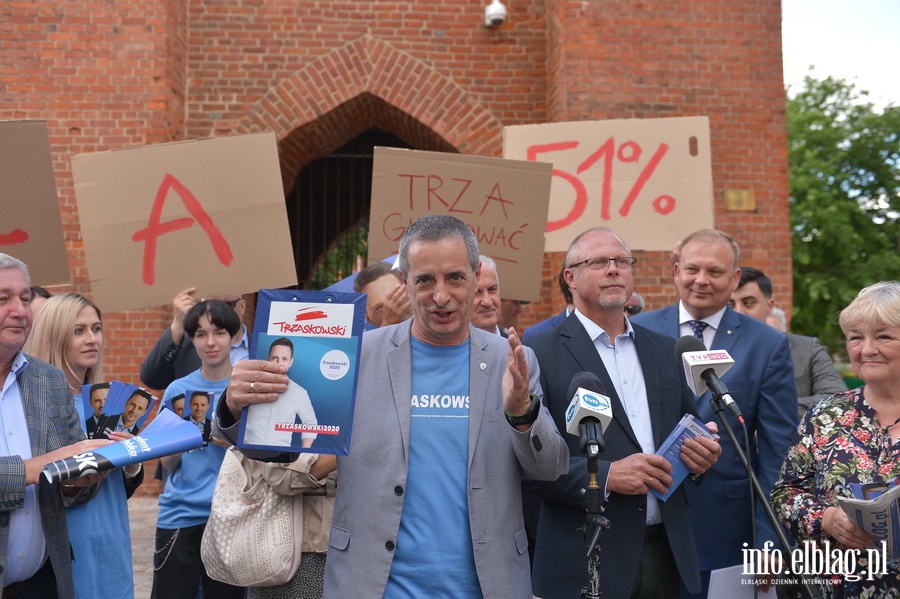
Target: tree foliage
column 845, row 200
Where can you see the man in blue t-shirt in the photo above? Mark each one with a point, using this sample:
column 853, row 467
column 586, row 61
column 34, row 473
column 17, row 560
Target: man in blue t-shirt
column 449, row 421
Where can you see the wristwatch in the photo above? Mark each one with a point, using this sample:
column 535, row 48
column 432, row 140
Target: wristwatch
column 530, row 415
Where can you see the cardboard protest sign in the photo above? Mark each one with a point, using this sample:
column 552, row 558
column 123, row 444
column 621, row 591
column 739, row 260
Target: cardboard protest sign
column 504, row 201
column 317, row 335
column 31, row 229
column 649, row 180
column 158, row 219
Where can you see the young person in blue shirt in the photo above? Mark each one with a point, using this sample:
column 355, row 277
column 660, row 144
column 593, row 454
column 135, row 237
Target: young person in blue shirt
column 185, row 504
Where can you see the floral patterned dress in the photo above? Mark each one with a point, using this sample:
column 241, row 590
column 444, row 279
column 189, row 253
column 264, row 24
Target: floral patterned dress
column 838, row 442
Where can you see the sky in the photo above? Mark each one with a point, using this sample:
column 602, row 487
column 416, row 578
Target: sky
column 855, row 40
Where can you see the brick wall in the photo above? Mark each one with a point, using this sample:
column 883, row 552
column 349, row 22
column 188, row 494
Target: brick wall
column 116, row 74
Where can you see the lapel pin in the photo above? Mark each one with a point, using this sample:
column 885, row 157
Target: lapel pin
column 482, row 365
column 728, row 332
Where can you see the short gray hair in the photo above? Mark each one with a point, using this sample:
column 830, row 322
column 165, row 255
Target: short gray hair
column 780, row 317
column 875, row 304
column 7, row 261
column 437, row 227
column 489, row 262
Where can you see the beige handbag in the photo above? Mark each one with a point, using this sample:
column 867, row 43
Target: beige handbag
column 254, row 534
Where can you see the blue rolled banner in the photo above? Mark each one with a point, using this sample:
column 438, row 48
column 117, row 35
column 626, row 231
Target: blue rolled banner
column 168, row 434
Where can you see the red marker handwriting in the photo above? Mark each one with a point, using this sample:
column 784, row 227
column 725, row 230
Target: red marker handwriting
column 453, row 195
column 608, row 153
column 155, row 229
column 14, row 237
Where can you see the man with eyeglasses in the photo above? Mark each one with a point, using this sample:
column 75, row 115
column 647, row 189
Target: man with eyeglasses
column 173, row 356
column 761, row 382
column 650, row 549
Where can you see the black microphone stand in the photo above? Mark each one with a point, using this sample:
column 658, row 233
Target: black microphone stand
column 800, row 587
column 592, row 444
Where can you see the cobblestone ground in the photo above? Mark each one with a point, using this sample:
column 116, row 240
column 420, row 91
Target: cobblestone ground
column 142, row 510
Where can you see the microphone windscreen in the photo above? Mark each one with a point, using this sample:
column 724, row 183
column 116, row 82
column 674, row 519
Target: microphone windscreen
column 585, row 380
column 686, row 344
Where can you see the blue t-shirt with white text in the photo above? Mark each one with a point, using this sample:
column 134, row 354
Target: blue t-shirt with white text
column 433, row 556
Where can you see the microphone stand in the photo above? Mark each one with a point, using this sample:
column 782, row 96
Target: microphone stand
column 800, row 587
column 592, row 444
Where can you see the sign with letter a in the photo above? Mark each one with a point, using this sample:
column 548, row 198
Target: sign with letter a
column 208, row 214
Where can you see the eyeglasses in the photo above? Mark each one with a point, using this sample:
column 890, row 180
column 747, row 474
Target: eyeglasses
column 633, row 309
column 624, row 263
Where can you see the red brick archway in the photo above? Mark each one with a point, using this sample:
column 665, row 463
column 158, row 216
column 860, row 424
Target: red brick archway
column 363, row 83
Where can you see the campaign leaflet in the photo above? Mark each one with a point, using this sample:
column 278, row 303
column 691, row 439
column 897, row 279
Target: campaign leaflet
column 876, row 509
column 317, row 335
column 115, row 406
column 196, row 406
column 687, row 428
column 166, row 435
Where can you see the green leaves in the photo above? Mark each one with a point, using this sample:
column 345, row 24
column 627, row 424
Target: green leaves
column 845, row 200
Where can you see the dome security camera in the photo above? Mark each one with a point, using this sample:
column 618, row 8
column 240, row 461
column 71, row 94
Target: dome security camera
column 495, row 14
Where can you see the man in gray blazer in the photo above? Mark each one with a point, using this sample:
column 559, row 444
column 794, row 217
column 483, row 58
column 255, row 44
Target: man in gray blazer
column 35, row 555
column 814, row 372
column 448, row 419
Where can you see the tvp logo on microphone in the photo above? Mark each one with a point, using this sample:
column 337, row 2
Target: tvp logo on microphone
column 587, row 404
column 697, row 362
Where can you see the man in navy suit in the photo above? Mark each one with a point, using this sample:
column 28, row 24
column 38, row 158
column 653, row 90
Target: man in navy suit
column 649, row 548
column 761, row 382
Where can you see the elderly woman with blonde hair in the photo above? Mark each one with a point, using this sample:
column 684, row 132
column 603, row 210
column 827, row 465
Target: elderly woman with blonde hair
column 851, row 437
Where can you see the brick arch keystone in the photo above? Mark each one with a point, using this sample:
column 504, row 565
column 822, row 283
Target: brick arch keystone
column 373, row 68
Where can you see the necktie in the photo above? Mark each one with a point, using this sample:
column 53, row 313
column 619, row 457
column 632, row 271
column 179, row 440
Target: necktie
column 697, row 327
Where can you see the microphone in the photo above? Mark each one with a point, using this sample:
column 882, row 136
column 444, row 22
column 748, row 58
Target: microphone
column 589, row 411
column 702, row 366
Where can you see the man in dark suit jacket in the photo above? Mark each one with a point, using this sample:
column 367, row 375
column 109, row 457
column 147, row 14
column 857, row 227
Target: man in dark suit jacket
column 98, row 393
column 761, row 382
column 649, row 548
column 814, row 372
column 39, row 401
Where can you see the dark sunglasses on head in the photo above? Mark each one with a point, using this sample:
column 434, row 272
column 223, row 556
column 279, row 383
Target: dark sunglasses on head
column 632, row 310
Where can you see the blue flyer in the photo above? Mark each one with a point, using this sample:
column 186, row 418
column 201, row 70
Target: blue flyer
column 317, row 335
column 687, row 428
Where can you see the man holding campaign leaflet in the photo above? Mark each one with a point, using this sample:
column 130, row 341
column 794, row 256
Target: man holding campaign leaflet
column 40, row 426
column 597, row 351
column 448, row 421
column 761, row 381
